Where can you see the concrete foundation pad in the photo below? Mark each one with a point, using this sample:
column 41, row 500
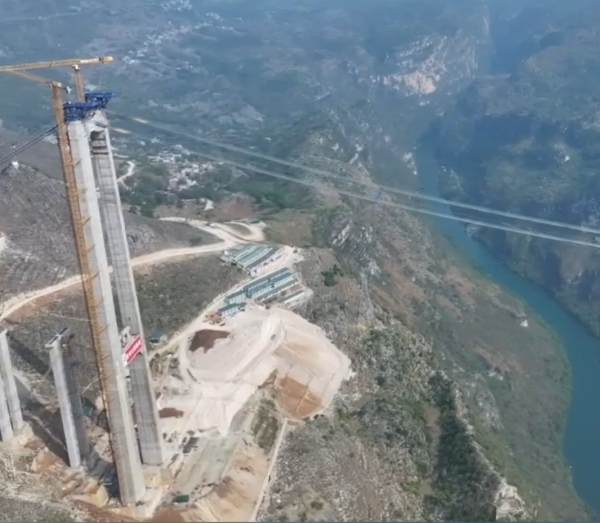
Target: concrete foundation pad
column 156, row 477
column 146, row 508
column 19, row 439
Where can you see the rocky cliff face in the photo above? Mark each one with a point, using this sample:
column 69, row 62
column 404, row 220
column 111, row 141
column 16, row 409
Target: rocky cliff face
column 527, row 141
column 394, row 283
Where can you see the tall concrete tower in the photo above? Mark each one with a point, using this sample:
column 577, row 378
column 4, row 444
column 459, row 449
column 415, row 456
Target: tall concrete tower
column 105, row 333
column 146, row 412
column 6, row 430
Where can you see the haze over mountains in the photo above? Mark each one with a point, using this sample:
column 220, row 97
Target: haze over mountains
column 504, row 93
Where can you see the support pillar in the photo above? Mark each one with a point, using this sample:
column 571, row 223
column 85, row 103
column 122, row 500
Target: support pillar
column 104, row 325
column 10, row 384
column 64, row 402
column 75, row 398
column 6, row 430
column 146, row 411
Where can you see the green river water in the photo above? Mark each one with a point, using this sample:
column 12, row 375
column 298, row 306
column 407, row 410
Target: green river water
column 582, row 434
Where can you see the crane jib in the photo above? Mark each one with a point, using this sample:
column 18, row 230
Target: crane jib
column 70, row 62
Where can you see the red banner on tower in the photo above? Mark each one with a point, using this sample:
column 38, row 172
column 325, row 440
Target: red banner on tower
column 132, row 350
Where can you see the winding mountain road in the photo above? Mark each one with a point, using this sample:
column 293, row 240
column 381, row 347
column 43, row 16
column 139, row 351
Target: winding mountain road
column 130, row 172
column 229, row 238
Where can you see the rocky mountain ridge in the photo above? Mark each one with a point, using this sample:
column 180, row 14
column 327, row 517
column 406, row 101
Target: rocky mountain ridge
column 527, row 142
column 396, row 277
column 39, row 248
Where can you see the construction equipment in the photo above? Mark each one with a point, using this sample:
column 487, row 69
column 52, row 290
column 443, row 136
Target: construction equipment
column 74, row 63
column 79, row 83
column 50, row 64
column 87, row 229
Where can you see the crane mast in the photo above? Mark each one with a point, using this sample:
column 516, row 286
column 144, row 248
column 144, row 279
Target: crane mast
column 75, row 123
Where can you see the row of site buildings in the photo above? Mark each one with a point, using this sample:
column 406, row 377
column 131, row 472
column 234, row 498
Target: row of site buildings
column 253, row 259
column 282, row 284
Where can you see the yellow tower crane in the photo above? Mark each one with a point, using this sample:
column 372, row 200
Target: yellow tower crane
column 128, row 474
column 71, row 187
column 73, row 197
column 68, row 168
column 74, row 63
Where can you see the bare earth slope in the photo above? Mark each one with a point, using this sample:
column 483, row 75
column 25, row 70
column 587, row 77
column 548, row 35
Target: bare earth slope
column 39, row 246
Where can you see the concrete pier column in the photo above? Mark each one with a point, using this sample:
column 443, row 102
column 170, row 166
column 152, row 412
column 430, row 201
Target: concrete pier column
column 6, row 430
column 75, row 399
column 64, row 402
column 10, row 384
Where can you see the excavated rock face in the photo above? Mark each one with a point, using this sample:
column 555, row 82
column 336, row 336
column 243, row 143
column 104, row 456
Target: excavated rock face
column 354, row 241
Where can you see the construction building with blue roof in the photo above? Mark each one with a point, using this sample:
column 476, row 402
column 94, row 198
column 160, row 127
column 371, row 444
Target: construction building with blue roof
column 263, row 289
column 252, row 258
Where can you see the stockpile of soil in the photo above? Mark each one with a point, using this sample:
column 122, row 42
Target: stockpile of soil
column 170, row 412
column 206, row 338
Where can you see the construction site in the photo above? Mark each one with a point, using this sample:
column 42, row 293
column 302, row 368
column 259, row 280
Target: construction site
column 253, row 258
column 197, row 440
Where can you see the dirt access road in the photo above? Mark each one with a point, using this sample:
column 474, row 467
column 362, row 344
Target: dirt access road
column 229, row 239
column 223, row 231
column 128, row 173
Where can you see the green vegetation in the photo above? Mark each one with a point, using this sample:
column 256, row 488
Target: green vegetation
column 329, row 276
column 446, row 457
column 398, row 513
column 528, row 143
column 168, row 300
column 389, row 414
column 527, row 375
column 463, row 483
column 150, row 189
column 199, row 192
column 265, row 425
column 273, row 194
column 515, row 381
column 316, row 505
